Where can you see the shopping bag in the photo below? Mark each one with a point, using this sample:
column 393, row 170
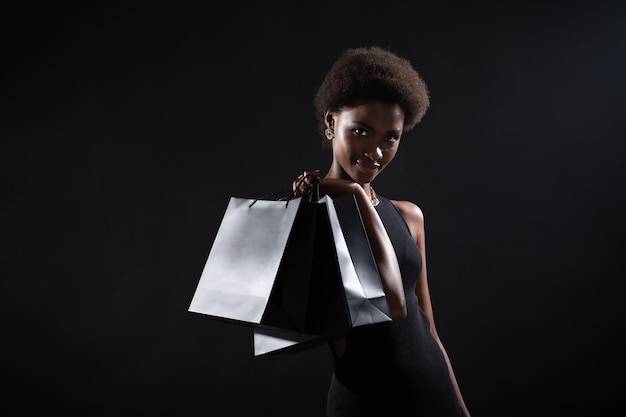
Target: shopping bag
column 245, row 259
column 359, row 277
column 297, row 271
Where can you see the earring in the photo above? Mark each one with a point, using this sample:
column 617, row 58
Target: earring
column 330, row 134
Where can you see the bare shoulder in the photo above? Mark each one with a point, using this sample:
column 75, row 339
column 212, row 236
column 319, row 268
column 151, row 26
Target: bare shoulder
column 409, row 210
column 413, row 216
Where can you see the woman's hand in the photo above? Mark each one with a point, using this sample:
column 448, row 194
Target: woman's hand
column 303, row 185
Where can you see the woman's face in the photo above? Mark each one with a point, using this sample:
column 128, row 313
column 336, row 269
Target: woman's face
column 367, row 136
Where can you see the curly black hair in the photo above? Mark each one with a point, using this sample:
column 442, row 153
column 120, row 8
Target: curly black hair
column 373, row 73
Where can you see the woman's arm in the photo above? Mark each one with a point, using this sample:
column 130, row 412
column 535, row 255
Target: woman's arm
column 382, row 249
column 414, row 218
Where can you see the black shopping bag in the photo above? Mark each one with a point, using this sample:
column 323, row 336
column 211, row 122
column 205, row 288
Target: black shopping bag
column 297, row 271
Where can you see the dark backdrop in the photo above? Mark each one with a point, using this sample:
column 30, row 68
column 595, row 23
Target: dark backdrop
column 126, row 128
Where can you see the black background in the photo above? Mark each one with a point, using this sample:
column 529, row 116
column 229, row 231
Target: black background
column 126, row 127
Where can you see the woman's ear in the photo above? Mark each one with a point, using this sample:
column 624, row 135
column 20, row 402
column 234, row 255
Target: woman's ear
column 329, row 119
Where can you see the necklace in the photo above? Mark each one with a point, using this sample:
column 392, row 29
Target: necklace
column 375, row 200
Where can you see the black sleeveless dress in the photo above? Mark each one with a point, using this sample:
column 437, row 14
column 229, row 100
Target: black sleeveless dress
column 394, row 368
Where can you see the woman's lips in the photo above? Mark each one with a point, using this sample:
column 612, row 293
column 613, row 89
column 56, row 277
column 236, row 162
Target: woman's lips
column 368, row 168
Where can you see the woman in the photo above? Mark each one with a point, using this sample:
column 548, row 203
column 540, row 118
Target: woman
column 368, row 99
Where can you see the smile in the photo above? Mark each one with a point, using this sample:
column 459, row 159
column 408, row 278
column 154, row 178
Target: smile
column 368, row 168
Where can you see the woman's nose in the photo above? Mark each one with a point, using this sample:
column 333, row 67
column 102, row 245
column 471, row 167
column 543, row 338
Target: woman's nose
column 374, row 154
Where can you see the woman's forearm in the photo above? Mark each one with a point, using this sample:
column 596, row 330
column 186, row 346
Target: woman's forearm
column 381, row 245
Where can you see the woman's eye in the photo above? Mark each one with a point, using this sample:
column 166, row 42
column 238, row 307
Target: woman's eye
column 360, row 132
column 392, row 138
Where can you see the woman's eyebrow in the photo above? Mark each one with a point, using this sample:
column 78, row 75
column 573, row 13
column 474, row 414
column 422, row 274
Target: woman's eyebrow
column 397, row 130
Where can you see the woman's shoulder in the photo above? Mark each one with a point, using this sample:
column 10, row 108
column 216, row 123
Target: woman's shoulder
column 409, row 209
column 412, row 214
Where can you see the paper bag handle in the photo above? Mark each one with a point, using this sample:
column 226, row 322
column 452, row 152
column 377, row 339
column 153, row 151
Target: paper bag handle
column 313, row 195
